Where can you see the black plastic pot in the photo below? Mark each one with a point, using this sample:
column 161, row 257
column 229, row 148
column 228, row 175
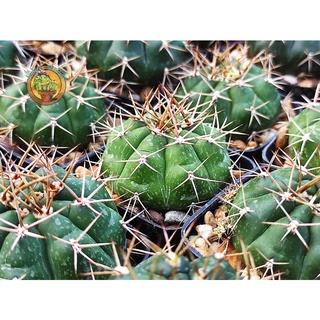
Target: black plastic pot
column 268, row 151
column 255, row 154
column 188, row 228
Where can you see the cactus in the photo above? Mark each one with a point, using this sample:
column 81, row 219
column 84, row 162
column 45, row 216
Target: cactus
column 275, row 215
column 233, row 89
column 290, row 57
column 56, row 226
column 165, row 155
column 65, row 124
column 304, row 138
column 166, row 263
column 10, row 51
column 132, row 64
column 172, row 266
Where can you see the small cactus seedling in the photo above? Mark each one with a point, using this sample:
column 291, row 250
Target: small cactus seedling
column 304, row 136
column 132, row 64
column 276, row 216
column 232, row 87
column 56, row 226
column 166, row 155
column 66, row 123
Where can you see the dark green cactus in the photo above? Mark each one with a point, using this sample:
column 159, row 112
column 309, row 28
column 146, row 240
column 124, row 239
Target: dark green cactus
column 234, row 91
column 276, row 216
column 65, row 124
column 56, row 226
column 171, row 266
column 304, row 138
column 169, row 161
column 9, row 52
column 138, row 63
column 290, row 57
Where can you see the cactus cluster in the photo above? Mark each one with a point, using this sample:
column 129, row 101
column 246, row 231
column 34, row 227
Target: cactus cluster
column 168, row 114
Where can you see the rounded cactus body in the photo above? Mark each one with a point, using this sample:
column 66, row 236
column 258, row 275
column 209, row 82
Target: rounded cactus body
column 275, row 219
column 243, row 106
column 290, row 57
column 141, row 63
column 55, row 226
column 64, row 124
column 166, row 171
column 304, row 138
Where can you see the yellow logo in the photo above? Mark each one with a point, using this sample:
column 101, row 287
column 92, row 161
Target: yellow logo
column 46, row 85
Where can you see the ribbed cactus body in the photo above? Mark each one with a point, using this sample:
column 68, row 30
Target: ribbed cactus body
column 304, row 138
column 8, row 55
column 290, row 57
column 165, row 170
column 243, row 105
column 275, row 217
column 65, row 124
column 67, row 239
column 140, row 63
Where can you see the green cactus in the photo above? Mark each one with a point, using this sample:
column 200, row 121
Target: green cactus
column 56, row 226
column 290, row 57
column 276, row 217
column 133, row 63
column 9, row 52
column 233, row 90
column 304, row 138
column 65, row 124
column 167, row 160
column 171, row 266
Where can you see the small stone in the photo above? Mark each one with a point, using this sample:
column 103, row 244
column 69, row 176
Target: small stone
column 210, row 219
column 238, row 144
column 204, row 230
column 175, row 217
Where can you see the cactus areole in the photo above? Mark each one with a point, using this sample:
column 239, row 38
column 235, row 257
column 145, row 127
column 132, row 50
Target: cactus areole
column 166, row 160
column 58, row 227
column 65, row 124
column 277, row 219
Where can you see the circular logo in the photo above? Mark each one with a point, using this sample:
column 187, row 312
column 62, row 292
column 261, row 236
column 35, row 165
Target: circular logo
column 46, row 85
